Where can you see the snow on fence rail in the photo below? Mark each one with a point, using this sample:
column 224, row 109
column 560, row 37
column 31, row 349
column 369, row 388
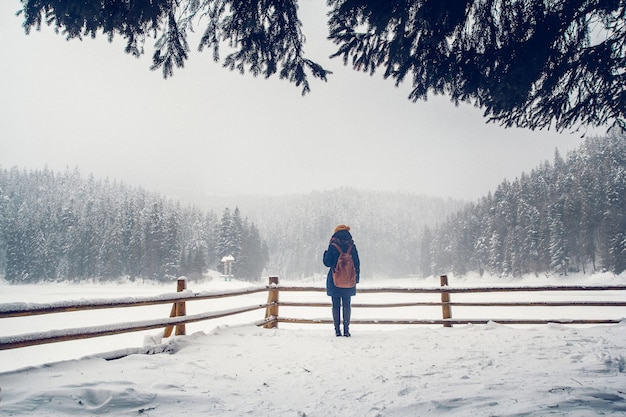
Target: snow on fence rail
column 178, row 317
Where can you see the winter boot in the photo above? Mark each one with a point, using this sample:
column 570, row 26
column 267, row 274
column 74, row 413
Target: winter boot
column 346, row 321
column 336, row 321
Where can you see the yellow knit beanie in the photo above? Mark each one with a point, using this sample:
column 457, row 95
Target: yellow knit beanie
column 342, row 227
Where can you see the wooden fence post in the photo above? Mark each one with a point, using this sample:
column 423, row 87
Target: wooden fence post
column 445, row 300
column 272, row 300
column 179, row 308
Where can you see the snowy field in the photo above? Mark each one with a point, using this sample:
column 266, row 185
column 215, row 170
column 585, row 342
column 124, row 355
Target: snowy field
column 228, row 367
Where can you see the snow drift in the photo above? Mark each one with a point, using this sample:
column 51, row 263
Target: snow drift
column 235, row 370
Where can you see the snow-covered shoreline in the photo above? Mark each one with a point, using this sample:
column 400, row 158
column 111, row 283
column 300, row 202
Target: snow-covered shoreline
column 229, row 367
column 58, row 293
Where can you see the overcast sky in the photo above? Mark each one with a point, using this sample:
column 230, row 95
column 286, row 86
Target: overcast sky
column 210, row 131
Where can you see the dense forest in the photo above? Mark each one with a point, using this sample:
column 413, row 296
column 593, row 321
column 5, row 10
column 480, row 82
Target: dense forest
column 61, row 226
column 563, row 217
column 57, row 226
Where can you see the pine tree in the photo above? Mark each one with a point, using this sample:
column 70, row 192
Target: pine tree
column 133, row 238
column 228, row 243
column 426, row 253
column 153, row 254
column 253, row 256
column 172, row 245
column 558, row 253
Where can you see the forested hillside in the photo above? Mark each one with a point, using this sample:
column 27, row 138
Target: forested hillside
column 569, row 215
column 57, row 226
column 386, row 226
column 60, row 226
column 562, row 217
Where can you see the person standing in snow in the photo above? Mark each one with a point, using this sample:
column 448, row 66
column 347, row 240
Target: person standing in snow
column 341, row 296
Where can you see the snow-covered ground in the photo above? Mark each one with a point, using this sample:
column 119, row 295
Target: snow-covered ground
column 228, row 367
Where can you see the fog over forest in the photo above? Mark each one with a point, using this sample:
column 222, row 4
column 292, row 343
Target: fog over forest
column 566, row 215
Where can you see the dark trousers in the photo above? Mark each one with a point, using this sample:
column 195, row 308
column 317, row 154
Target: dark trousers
column 338, row 303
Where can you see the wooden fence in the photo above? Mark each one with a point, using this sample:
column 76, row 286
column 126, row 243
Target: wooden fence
column 178, row 317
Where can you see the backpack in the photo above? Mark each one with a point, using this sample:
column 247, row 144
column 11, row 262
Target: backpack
column 344, row 273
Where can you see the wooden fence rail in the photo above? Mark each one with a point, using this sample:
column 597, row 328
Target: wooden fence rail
column 178, row 317
column 32, row 309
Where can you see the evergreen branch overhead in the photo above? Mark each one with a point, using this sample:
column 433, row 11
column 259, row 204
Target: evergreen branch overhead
column 533, row 64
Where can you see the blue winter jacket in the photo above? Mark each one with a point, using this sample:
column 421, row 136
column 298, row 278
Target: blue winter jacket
column 344, row 239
